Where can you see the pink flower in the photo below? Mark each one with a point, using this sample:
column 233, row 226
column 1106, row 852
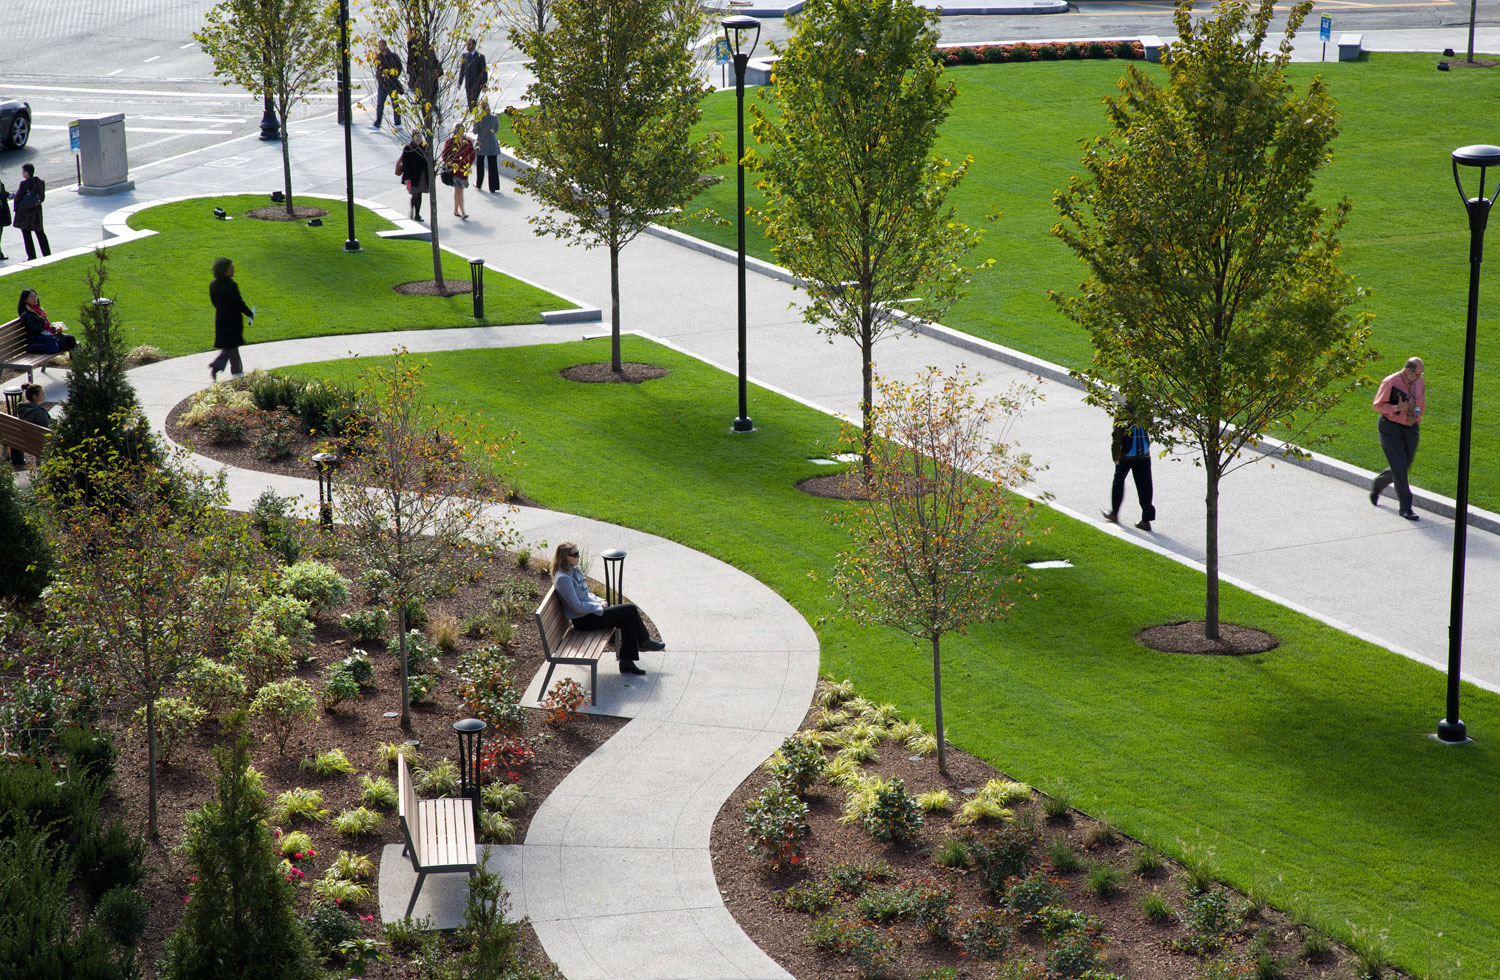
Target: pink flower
column 193, row 878
column 367, row 918
column 278, row 831
column 297, row 856
column 184, row 898
column 312, row 854
column 338, row 901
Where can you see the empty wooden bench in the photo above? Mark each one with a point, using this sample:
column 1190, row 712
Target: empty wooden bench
column 13, row 353
column 21, row 435
column 439, row 833
column 564, row 645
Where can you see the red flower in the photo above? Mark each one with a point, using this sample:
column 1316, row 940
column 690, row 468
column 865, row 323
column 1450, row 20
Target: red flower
column 184, row 898
column 297, row 856
column 193, row 878
column 312, row 854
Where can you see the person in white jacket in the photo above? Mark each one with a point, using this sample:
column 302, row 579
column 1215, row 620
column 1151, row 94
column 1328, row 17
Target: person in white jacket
column 587, row 611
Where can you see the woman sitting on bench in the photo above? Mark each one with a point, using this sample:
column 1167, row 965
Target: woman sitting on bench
column 30, row 410
column 587, row 611
column 42, row 335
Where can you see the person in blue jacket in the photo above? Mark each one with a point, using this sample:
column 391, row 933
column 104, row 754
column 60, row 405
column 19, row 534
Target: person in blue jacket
column 587, row 611
column 1130, row 445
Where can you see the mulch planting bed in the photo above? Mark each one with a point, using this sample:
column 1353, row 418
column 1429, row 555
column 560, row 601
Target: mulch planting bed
column 631, row 372
column 1130, row 944
column 426, row 287
column 1189, row 637
column 836, row 486
column 277, row 212
column 356, row 727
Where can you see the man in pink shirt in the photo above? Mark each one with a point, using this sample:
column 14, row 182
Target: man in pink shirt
column 1401, row 401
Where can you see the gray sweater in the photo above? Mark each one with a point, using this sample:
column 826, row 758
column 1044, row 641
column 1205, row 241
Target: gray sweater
column 486, row 129
column 573, row 591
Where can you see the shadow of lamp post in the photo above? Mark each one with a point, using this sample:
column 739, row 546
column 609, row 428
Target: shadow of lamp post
column 1451, row 729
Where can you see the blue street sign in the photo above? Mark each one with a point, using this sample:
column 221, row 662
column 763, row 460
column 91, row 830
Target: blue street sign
column 721, row 52
column 1325, row 27
column 73, row 135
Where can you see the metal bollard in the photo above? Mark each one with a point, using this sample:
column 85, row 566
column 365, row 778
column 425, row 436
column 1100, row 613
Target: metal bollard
column 476, row 286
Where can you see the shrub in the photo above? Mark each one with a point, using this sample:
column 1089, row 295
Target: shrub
column 90, row 753
column 108, row 856
column 405, row 936
column 274, row 441
column 272, row 391
column 330, row 763
column 935, row 801
column 339, row 686
column 1148, row 864
column 812, row 895
column 1103, row 881
column 985, row 934
column 967, row 56
column 284, row 705
column 359, row 667
column 262, row 655
column 122, row 913
column 884, row 904
column 1210, row 922
column 1062, row 857
column 1047, row 52
column 216, row 686
column 316, row 404
column 798, row 764
column 416, row 617
column 224, row 426
column 562, row 702
column 274, row 519
column 1157, row 910
column 1076, row 956
column 439, row 780
column 286, row 615
column 953, row 852
column 1071, row 51
column 299, row 804
column 176, row 718
column 357, row 822
column 327, row 925
column 367, row 625
column 775, row 825
column 872, row 952
column 379, row 792
column 1125, row 49
column 315, row 583
column 1004, row 853
column 1096, row 49
column 894, row 815
column 1059, row 923
column 853, row 879
column 420, row 686
column 497, row 827
column 932, row 906
column 1021, row 51
column 375, row 585
column 28, row 556
column 489, row 689
column 1025, row 896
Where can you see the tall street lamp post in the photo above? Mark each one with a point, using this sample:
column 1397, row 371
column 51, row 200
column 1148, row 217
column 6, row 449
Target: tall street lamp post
column 270, row 126
column 351, row 244
column 1451, row 729
column 734, row 33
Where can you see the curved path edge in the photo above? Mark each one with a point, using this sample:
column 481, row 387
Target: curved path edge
column 615, row 873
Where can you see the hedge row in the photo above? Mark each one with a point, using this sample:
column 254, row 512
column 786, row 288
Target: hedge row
column 995, row 54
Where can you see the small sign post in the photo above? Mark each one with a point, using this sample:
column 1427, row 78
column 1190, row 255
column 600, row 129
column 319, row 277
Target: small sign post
column 1325, row 31
column 721, row 58
column 73, row 144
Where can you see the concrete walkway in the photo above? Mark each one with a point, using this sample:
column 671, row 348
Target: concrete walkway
column 615, row 872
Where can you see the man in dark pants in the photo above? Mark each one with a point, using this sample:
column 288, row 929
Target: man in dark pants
column 387, row 81
column 1130, row 446
column 473, row 72
column 1401, row 401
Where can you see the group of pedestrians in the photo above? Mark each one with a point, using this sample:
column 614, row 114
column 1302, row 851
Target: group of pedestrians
column 26, row 217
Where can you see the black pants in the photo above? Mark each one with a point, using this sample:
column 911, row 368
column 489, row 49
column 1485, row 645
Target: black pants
column 41, row 238
column 494, row 168
column 416, row 204
column 382, row 93
column 624, row 617
column 230, row 356
column 1141, row 468
column 1400, row 445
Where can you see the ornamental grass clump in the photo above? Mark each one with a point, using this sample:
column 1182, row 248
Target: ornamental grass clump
column 386, row 754
column 295, row 846
column 357, row 823
column 378, row 792
column 299, row 804
column 330, row 763
column 503, row 797
column 439, row 780
column 497, row 827
column 775, row 826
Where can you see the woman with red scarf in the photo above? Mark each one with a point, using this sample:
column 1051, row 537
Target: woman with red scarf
column 42, row 335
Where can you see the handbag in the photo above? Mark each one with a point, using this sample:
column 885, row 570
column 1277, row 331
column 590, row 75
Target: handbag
column 446, row 177
column 399, row 163
column 26, row 200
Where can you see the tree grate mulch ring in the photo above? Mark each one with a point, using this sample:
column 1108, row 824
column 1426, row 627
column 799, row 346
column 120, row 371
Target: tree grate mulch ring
column 277, row 212
column 632, row 372
column 426, row 287
column 1188, row 637
column 836, row 486
column 1453, row 63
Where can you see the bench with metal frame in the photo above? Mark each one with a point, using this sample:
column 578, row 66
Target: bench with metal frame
column 439, row 833
column 562, row 644
column 13, row 353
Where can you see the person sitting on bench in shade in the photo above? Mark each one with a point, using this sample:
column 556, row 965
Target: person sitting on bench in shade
column 587, row 611
column 31, row 410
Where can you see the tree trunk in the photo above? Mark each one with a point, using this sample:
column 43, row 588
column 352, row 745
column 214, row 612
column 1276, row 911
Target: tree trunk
column 867, row 399
column 151, row 767
column 401, row 652
column 1211, row 546
column 614, row 308
column 286, row 159
column 432, row 214
column 937, row 702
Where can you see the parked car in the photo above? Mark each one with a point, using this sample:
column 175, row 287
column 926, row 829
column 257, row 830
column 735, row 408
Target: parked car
column 15, row 124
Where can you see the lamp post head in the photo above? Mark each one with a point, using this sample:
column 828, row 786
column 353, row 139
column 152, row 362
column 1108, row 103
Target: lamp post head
column 326, row 461
column 469, row 726
column 734, row 29
column 1480, row 155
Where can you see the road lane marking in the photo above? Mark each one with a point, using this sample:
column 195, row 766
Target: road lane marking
column 210, row 120
column 117, row 71
column 157, row 57
column 149, row 129
column 226, row 94
column 184, row 47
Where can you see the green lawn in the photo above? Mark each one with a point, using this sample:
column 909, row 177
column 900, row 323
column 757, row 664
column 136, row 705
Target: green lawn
column 1406, row 242
column 1308, row 768
column 300, row 279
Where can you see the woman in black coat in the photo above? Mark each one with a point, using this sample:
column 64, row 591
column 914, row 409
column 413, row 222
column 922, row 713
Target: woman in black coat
column 229, row 324
column 30, row 193
column 43, row 335
column 412, row 169
column 4, row 214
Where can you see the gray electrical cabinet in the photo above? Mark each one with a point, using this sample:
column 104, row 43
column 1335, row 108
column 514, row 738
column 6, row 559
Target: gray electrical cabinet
column 103, row 167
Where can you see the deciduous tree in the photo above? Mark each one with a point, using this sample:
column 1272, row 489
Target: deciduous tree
column 932, row 552
column 281, row 48
column 856, row 196
column 1215, row 302
column 613, row 105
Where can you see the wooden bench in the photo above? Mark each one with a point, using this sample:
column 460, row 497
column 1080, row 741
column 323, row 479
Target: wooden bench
column 564, row 645
column 23, row 436
column 13, row 353
column 439, row 833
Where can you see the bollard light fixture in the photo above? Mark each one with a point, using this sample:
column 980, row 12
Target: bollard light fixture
column 1479, row 157
column 742, row 33
column 614, row 576
column 476, row 286
column 325, row 463
column 470, row 741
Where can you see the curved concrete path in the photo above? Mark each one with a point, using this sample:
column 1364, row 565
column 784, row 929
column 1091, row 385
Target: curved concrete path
column 615, row 872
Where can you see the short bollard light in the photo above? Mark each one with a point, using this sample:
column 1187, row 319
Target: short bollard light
column 12, row 399
column 476, row 286
column 470, row 741
column 614, row 576
column 325, row 463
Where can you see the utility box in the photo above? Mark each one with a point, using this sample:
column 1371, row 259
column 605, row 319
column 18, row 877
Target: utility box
column 103, row 167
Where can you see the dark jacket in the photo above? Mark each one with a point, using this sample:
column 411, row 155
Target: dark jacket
column 414, row 169
column 38, row 339
column 35, row 414
column 229, row 311
column 474, row 72
column 1130, row 441
column 31, row 218
column 388, row 71
column 4, row 206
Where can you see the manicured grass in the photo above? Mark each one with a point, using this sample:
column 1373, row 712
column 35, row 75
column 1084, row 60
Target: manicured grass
column 1308, row 767
column 1406, row 242
column 300, row 279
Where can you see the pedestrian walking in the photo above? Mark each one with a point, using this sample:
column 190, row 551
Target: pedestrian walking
column 486, row 133
column 30, row 193
column 1401, row 400
column 4, row 214
column 1130, row 446
column 387, row 81
column 229, row 323
column 473, row 71
column 458, row 161
column 411, row 167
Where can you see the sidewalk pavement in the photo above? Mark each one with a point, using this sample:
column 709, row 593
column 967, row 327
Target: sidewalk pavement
column 615, row 872
column 1288, row 532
